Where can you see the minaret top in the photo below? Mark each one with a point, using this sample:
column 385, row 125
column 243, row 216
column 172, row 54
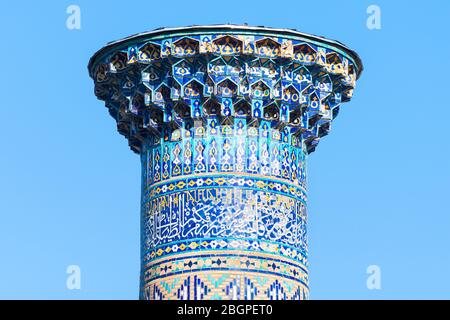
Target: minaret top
column 159, row 81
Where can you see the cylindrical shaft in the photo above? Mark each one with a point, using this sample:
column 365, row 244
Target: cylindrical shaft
column 223, row 213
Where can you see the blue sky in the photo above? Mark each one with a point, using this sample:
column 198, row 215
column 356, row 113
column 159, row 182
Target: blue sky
column 378, row 184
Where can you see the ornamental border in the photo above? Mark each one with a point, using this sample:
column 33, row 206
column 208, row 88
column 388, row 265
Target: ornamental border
column 297, row 254
column 148, row 279
column 186, row 183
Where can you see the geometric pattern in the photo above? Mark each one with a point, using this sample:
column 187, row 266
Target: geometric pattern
column 166, row 78
column 229, row 285
column 224, row 118
column 229, row 180
column 212, row 260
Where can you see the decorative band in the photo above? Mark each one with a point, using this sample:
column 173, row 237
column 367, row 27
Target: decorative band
column 227, row 181
column 226, row 244
column 263, row 264
column 224, row 285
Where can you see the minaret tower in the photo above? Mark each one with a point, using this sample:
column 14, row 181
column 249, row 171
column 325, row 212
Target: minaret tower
column 223, row 118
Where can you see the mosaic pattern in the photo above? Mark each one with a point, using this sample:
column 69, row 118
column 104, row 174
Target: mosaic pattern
column 273, row 154
column 161, row 81
column 260, row 218
column 229, row 285
column 224, row 119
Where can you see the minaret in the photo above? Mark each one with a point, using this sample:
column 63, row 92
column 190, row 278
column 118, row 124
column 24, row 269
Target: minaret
column 223, row 118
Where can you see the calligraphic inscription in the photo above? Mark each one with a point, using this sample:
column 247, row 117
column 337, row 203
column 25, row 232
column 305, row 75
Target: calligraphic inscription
column 225, row 229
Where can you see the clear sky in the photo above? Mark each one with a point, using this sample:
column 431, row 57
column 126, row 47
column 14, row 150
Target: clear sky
column 378, row 184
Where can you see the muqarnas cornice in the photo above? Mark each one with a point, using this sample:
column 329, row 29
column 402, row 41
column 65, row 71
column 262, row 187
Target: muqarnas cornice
column 160, row 79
